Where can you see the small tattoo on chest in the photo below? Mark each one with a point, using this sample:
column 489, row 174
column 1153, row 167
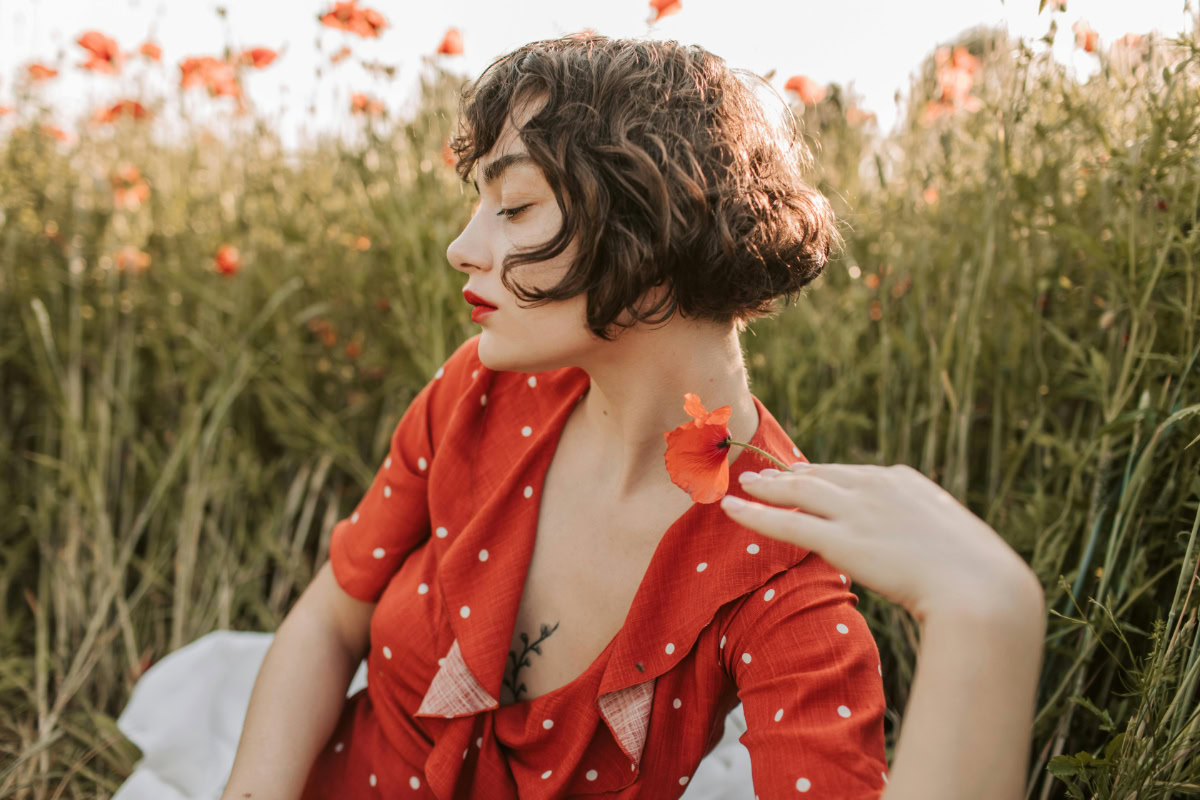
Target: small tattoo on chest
column 515, row 662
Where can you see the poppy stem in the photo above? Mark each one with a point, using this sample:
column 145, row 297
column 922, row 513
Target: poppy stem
column 782, row 466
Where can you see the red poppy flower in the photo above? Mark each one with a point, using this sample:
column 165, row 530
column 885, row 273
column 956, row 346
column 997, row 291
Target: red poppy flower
column 452, row 43
column 339, row 55
column 131, row 107
column 361, row 104
column 105, row 55
column 258, row 57
column 346, row 16
column 665, row 8
column 218, row 77
column 698, row 452
column 809, row 90
column 40, row 72
column 151, row 50
column 131, row 258
column 56, row 132
column 228, row 262
column 1085, row 37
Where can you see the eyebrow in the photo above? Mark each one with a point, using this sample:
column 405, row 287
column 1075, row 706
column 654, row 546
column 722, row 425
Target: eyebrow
column 493, row 170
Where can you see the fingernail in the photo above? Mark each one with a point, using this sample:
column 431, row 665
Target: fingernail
column 800, row 465
column 746, row 477
column 770, row 472
column 729, row 501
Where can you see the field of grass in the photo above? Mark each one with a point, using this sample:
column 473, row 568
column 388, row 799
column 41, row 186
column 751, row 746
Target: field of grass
column 1015, row 315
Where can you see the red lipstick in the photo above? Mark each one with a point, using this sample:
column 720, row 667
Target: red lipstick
column 482, row 307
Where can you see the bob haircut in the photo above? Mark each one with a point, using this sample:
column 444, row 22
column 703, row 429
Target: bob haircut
column 665, row 168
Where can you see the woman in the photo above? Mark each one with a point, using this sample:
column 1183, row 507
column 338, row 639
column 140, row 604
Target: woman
column 544, row 612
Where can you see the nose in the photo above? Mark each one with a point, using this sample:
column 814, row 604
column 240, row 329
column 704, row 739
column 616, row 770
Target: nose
column 469, row 248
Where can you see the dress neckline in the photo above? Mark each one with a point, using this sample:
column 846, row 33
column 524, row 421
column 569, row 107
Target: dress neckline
column 549, row 448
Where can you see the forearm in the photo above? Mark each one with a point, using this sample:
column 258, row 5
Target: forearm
column 968, row 724
column 298, row 696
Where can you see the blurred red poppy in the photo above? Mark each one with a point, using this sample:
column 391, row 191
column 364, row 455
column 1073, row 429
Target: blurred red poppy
column 57, row 133
column 452, row 43
column 347, row 16
column 130, row 107
column 6, row 110
column 151, row 50
column 809, row 90
column 1085, row 37
column 664, row 8
column 131, row 258
column 218, row 77
column 339, row 55
column 40, row 72
column 105, row 55
column 258, row 57
column 857, row 116
column 227, row 260
column 361, row 104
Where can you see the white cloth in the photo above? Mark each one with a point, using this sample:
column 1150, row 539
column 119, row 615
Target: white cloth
column 186, row 715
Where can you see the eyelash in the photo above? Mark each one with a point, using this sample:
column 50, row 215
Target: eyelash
column 511, row 212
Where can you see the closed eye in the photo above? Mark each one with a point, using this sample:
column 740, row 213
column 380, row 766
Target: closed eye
column 509, row 213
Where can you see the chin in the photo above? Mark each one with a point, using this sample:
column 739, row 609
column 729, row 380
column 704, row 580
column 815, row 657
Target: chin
column 497, row 358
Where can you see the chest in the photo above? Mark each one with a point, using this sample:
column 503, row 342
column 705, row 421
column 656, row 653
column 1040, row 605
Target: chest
column 587, row 564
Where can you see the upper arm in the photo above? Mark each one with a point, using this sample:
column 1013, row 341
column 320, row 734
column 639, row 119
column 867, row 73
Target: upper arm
column 807, row 672
column 349, row 618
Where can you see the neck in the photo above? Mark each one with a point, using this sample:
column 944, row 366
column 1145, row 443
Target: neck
column 636, row 396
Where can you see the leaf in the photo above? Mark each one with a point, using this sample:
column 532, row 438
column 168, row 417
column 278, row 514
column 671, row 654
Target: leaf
column 1112, row 747
column 1063, row 766
column 1106, row 724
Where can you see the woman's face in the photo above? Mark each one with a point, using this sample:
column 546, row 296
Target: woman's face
column 517, row 209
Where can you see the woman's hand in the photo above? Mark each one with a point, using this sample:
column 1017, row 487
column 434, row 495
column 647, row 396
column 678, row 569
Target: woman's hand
column 898, row 533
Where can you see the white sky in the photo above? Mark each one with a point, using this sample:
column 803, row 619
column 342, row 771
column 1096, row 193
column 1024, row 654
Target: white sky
column 873, row 44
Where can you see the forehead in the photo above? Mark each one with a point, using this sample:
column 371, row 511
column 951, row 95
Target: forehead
column 509, row 151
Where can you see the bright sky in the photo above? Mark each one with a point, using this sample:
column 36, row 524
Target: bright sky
column 873, row 44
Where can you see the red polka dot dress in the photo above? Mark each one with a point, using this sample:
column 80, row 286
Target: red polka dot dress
column 442, row 541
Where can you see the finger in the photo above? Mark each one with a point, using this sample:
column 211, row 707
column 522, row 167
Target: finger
column 822, row 536
column 803, row 490
column 845, row 475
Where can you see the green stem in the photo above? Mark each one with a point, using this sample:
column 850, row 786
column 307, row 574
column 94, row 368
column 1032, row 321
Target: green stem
column 782, row 466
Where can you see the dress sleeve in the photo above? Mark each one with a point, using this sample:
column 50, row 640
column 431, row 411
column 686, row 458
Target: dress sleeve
column 392, row 518
column 808, row 675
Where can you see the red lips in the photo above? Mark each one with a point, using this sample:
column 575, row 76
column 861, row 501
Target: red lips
column 476, row 300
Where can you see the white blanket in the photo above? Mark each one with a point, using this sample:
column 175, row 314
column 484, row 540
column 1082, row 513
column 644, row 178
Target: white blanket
column 187, row 710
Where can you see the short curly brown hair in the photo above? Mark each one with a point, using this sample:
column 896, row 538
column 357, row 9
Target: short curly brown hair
column 665, row 167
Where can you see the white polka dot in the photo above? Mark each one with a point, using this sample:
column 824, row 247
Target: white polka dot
column 526, row 431
column 677, row 702
column 592, row 775
column 474, row 372
column 633, row 765
column 547, row 774
column 441, row 371
column 483, row 555
column 387, row 491
column 803, row 785
column 880, row 668
column 769, row 594
column 387, row 652
column 373, row 779
column 843, row 711
column 796, row 451
column 441, row 662
column 354, row 517
column 703, row 565
column 423, row 588
column 683, row 781
column 479, row 742
column 337, row 748
column 841, row 628
column 746, row 657
column 378, row 552
column 548, row 724
column 533, row 380
column 441, row 533
column 884, row 776
column 483, row 399
column 843, row 577
column 465, row 751
column 414, row 782
column 752, row 549
column 670, row 648
column 529, row 491
column 388, row 464
column 779, row 715
column 464, row 612
column 422, row 463
column 722, row 641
